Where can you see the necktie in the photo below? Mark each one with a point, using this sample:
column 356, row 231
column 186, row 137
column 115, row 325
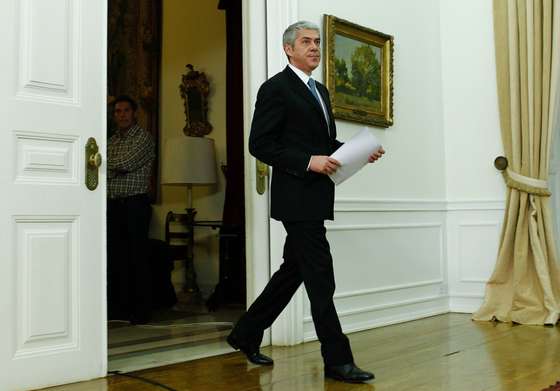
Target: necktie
column 313, row 89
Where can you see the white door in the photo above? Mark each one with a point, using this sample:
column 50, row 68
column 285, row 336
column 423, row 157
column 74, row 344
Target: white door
column 52, row 252
column 265, row 237
column 256, row 206
column 288, row 328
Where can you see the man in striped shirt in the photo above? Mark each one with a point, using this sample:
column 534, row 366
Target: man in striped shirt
column 130, row 158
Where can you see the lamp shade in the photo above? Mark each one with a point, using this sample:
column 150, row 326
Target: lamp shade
column 188, row 160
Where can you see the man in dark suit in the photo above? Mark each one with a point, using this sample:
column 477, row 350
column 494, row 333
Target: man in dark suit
column 294, row 131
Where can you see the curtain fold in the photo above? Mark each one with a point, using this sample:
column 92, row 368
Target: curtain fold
column 525, row 285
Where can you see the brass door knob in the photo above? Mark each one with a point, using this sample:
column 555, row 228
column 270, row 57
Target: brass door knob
column 262, row 177
column 95, row 160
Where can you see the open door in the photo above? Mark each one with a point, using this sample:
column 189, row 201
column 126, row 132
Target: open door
column 288, row 328
column 263, row 26
column 52, row 268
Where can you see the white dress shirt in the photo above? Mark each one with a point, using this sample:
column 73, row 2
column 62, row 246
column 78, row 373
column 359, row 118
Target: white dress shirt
column 305, row 79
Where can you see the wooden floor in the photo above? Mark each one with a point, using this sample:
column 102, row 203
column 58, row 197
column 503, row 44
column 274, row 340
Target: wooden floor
column 441, row 353
column 193, row 324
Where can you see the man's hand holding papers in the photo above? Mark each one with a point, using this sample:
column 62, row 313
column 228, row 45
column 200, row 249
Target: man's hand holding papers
column 323, row 164
column 354, row 154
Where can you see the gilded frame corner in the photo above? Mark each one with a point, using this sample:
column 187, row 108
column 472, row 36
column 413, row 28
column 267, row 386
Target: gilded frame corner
column 372, row 102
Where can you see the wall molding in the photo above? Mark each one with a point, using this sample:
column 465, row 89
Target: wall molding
column 465, row 302
column 388, row 322
column 348, row 204
column 466, row 295
column 387, row 205
column 471, row 205
column 448, row 216
column 440, row 306
column 388, row 288
column 473, row 280
column 460, row 227
column 361, row 227
column 485, row 223
column 379, row 307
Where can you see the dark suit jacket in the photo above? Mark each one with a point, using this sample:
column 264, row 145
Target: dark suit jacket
column 288, row 127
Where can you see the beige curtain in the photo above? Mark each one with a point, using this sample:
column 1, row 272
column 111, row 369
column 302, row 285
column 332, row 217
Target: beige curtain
column 525, row 285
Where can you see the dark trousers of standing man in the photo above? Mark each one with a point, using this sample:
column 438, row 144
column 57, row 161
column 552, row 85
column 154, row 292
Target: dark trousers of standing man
column 128, row 273
column 307, row 259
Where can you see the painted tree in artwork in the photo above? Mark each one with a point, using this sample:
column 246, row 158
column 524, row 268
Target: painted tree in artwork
column 341, row 71
column 366, row 71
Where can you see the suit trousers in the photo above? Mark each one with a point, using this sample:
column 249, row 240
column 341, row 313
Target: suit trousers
column 128, row 274
column 307, row 259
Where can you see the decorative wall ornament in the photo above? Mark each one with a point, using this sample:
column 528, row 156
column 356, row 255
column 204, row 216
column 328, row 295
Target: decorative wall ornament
column 194, row 90
column 359, row 72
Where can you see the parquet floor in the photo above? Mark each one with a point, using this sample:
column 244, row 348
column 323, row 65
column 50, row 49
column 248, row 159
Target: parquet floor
column 442, row 353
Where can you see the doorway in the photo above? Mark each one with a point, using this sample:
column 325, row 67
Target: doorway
column 186, row 321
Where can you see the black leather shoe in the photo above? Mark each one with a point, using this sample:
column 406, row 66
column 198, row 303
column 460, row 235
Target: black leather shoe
column 349, row 373
column 258, row 358
column 253, row 355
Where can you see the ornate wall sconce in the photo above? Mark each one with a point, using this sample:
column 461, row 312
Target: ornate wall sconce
column 194, row 91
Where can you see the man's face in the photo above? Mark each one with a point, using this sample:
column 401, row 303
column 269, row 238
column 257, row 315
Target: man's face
column 306, row 52
column 123, row 115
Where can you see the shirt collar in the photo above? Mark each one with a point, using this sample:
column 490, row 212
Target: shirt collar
column 301, row 74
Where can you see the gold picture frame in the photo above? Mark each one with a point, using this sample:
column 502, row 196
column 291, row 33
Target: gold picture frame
column 359, row 72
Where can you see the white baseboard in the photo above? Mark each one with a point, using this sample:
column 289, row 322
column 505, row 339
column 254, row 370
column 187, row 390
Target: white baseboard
column 457, row 303
column 465, row 303
column 434, row 306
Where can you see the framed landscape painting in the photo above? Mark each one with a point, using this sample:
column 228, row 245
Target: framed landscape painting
column 359, row 72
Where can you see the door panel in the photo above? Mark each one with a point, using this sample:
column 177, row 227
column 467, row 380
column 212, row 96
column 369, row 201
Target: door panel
column 52, row 273
column 288, row 328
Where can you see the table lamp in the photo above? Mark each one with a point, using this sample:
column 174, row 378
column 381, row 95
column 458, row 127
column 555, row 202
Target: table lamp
column 188, row 161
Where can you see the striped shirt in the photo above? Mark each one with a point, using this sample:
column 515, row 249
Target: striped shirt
column 130, row 157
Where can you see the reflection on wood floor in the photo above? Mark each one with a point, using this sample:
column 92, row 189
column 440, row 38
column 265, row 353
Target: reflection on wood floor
column 442, row 353
column 170, row 328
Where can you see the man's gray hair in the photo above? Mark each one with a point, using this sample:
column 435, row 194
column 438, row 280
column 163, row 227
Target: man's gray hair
column 290, row 33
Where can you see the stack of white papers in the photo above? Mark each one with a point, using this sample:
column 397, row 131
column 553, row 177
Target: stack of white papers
column 354, row 154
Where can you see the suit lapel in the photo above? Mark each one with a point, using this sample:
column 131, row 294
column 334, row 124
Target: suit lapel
column 303, row 90
column 325, row 97
column 326, row 100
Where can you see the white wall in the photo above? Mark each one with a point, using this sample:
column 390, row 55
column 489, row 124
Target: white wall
column 388, row 237
column 554, row 171
column 412, row 168
column 475, row 189
column 470, row 102
column 416, row 234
